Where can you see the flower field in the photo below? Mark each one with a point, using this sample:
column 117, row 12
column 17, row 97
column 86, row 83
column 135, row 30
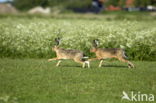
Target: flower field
column 34, row 37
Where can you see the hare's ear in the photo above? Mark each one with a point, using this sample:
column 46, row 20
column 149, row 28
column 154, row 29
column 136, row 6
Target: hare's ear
column 57, row 41
column 95, row 43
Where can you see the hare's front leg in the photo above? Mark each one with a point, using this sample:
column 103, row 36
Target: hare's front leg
column 100, row 63
column 58, row 63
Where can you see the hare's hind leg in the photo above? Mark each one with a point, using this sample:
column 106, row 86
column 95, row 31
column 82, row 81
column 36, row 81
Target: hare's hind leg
column 130, row 65
column 80, row 61
column 88, row 63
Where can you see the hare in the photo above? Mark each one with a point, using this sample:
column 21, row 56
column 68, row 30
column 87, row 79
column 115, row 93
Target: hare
column 104, row 53
column 75, row 55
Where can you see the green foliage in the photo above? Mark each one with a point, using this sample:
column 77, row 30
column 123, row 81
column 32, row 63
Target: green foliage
column 27, row 4
column 78, row 3
column 33, row 38
column 142, row 3
column 113, row 2
column 137, row 3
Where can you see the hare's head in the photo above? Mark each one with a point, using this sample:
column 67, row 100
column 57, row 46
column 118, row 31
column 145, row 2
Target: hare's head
column 55, row 48
column 57, row 43
column 95, row 45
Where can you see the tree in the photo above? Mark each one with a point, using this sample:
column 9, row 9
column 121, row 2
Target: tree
column 142, row 3
column 113, row 2
column 27, row 4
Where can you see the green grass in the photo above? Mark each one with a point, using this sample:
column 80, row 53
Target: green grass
column 106, row 15
column 39, row 81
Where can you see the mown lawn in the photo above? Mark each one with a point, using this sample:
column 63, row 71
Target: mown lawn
column 39, row 81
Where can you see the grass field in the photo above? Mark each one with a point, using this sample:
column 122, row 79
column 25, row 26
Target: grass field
column 25, row 45
column 39, row 81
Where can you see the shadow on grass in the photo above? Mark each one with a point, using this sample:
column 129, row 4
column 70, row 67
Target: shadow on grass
column 103, row 66
column 71, row 66
column 114, row 66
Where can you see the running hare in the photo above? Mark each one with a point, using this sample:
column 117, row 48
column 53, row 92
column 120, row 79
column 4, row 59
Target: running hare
column 104, row 53
column 75, row 55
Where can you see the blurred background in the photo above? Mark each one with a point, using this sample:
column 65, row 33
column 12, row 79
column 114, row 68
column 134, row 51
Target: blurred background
column 75, row 6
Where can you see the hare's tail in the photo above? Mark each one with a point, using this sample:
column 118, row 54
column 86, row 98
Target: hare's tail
column 84, row 58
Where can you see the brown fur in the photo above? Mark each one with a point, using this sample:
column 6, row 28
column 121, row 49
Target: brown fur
column 75, row 55
column 117, row 53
